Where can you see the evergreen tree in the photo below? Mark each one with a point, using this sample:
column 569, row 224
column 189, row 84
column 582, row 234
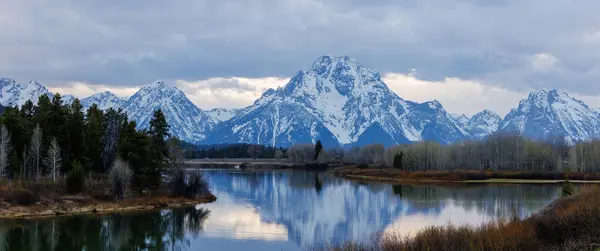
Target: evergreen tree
column 159, row 131
column 57, row 120
column 42, row 111
column 75, row 147
column 15, row 125
column 94, row 129
column 398, row 160
column 318, row 149
column 134, row 148
column 567, row 189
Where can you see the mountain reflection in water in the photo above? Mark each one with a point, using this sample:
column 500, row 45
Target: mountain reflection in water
column 280, row 211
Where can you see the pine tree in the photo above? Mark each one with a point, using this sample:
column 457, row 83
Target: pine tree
column 94, row 131
column 75, row 147
column 134, row 148
column 159, row 131
column 35, row 149
column 15, row 124
column 318, row 149
column 5, row 150
column 398, row 158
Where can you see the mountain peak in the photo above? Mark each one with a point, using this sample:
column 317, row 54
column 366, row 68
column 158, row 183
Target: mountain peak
column 548, row 113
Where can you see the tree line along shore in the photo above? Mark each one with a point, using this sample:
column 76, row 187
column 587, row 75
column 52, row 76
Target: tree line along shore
column 54, row 159
column 499, row 156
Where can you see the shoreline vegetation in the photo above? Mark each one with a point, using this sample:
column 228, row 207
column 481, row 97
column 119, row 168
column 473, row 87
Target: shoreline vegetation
column 81, row 204
column 568, row 223
column 463, row 176
column 54, row 160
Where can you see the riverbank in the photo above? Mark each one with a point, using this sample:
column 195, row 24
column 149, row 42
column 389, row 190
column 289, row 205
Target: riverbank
column 567, row 224
column 84, row 204
column 461, row 176
column 249, row 165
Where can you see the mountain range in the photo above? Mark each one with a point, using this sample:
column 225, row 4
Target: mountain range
column 340, row 102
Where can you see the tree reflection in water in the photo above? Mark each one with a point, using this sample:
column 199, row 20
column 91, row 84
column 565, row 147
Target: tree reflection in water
column 159, row 230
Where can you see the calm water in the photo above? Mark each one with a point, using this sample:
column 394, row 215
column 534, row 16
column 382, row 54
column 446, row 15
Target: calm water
column 280, row 211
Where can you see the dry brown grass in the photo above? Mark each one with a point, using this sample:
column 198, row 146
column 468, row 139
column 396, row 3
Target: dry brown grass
column 45, row 198
column 457, row 175
column 572, row 223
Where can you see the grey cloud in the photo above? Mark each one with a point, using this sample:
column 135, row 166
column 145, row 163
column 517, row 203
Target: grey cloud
column 221, row 83
column 132, row 43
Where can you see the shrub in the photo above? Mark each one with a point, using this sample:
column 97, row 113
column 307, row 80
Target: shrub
column 120, row 178
column 23, row 198
column 362, row 165
column 178, row 184
column 75, row 178
column 197, row 185
column 189, row 185
column 567, row 189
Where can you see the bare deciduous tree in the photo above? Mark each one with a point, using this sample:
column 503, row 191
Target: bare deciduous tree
column 5, row 149
column 120, row 178
column 278, row 155
column 175, row 153
column 35, row 149
column 53, row 160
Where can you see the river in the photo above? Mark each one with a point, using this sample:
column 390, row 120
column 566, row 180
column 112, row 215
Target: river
column 277, row 210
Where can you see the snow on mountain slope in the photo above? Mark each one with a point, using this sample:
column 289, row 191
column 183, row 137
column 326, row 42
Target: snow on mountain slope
column 67, row 99
column 221, row 114
column 338, row 96
column 13, row 93
column 546, row 114
column 483, row 124
column 187, row 121
column 462, row 119
column 104, row 100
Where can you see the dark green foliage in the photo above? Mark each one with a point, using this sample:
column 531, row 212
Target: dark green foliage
column 228, row 151
column 75, row 178
column 113, row 122
column 134, row 148
column 159, row 131
column 93, row 137
column 567, row 189
column 318, row 149
column 75, row 147
column 398, row 160
column 91, row 142
column 23, row 198
column 362, row 165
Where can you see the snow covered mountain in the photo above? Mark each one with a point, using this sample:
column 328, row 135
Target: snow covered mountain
column 221, row 114
column 462, row 119
column 187, row 121
column 546, row 114
column 339, row 102
column 104, row 100
column 67, row 99
column 482, row 124
column 13, row 93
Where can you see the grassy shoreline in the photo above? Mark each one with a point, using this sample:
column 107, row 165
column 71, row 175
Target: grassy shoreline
column 462, row 176
column 78, row 205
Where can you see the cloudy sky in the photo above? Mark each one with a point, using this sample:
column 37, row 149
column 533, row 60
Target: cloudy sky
column 469, row 54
